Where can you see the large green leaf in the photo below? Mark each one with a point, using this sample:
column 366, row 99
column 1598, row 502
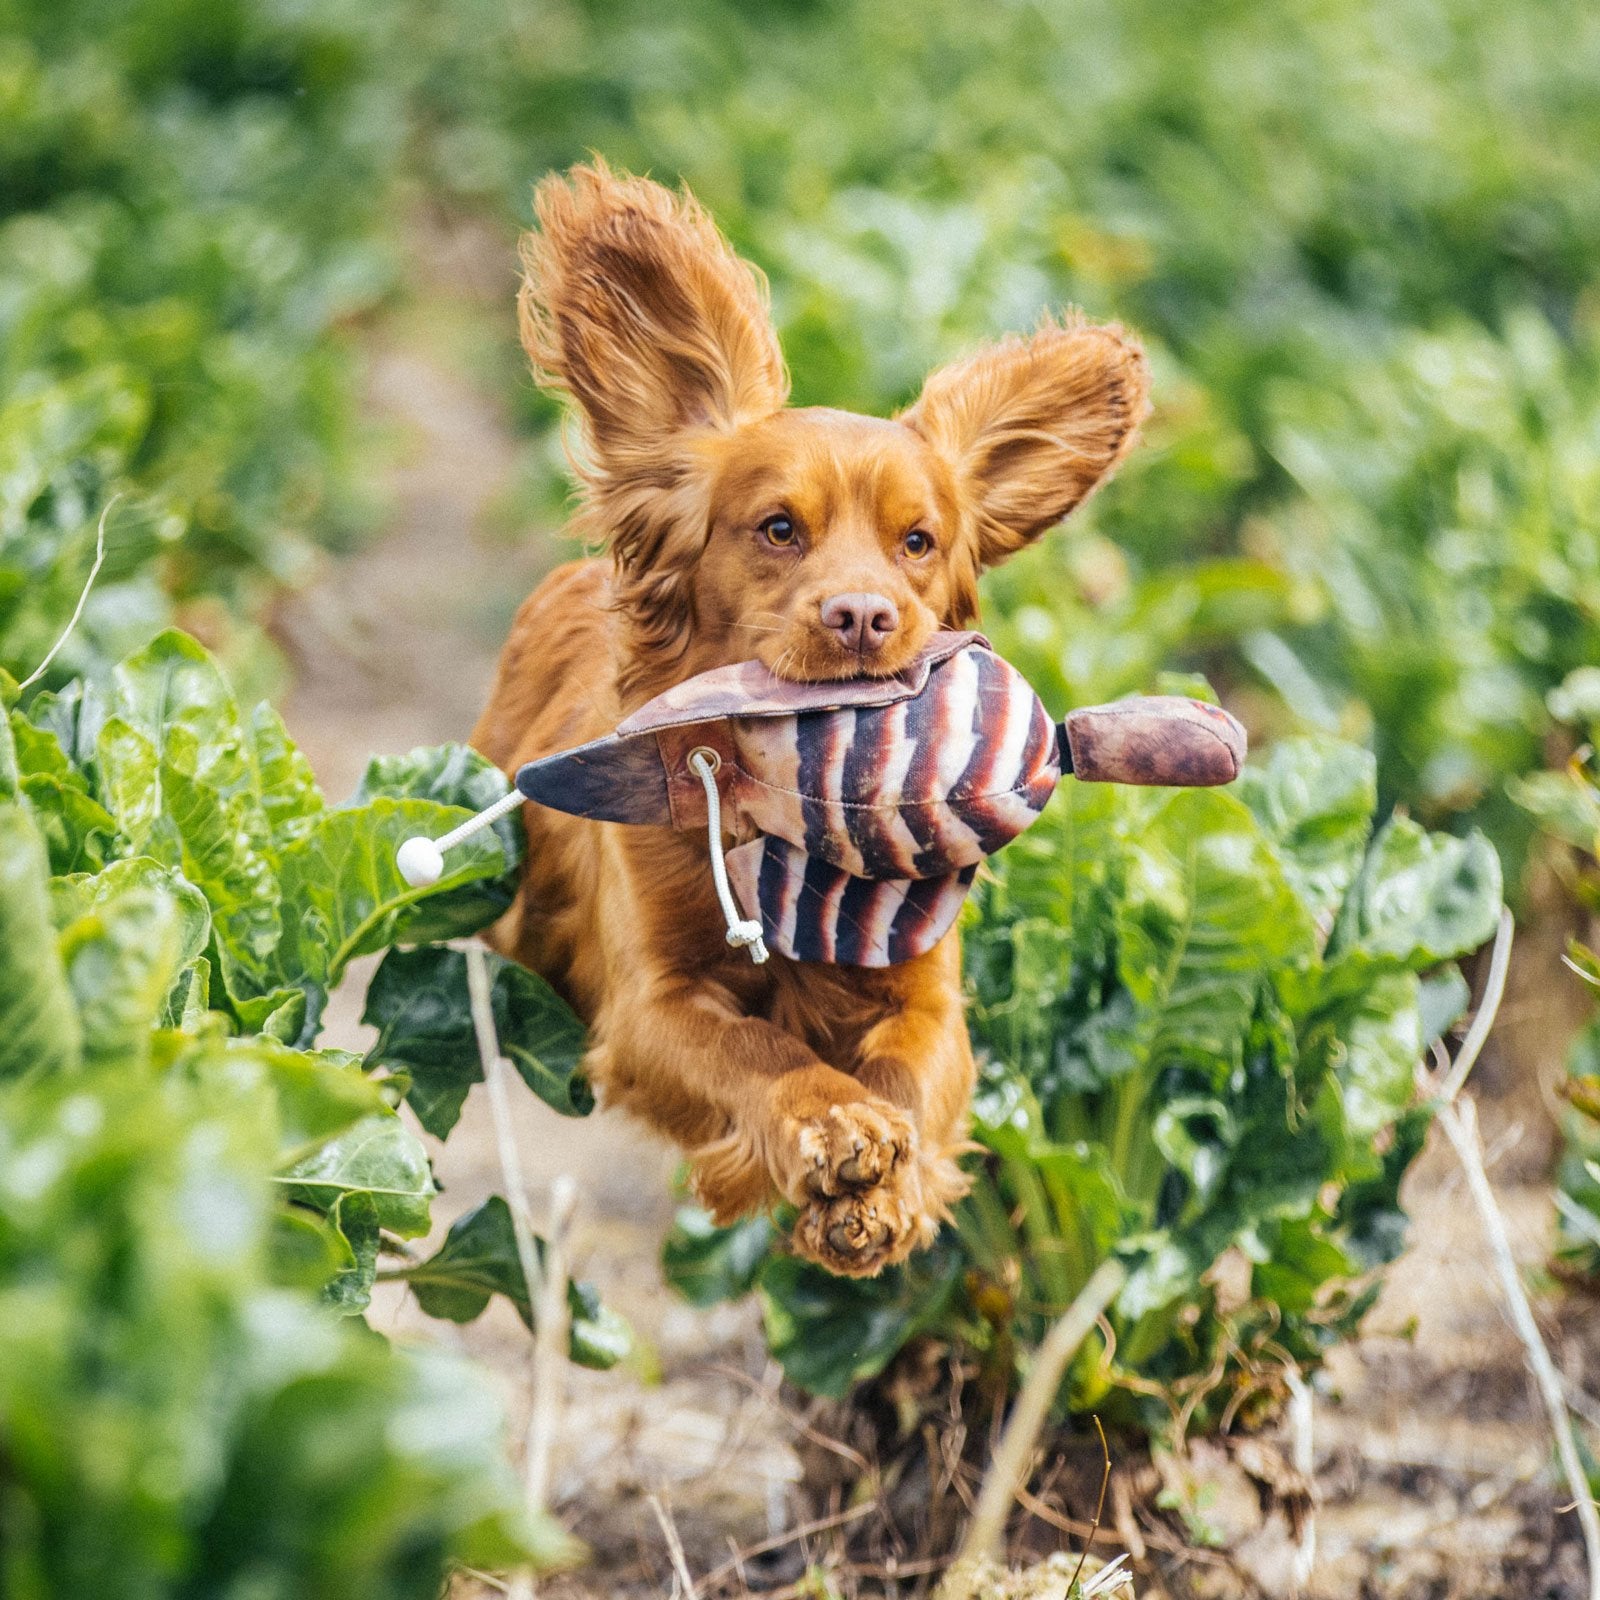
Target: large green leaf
column 829, row 1333
column 72, row 895
column 36, row 750
column 1368, row 1021
column 1040, row 937
column 354, row 1219
column 317, row 1099
column 1314, row 799
column 189, row 999
column 214, row 835
column 79, row 831
column 122, row 954
column 376, row 1156
column 453, row 775
column 1421, row 897
column 1207, row 914
column 349, row 898
column 285, row 781
column 174, row 683
column 419, row 1003
column 707, row 1264
column 39, row 1030
column 479, row 1259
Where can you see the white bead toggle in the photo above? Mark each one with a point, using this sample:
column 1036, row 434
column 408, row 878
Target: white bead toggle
column 421, row 861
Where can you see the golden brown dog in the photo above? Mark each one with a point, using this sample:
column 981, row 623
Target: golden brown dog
column 828, row 545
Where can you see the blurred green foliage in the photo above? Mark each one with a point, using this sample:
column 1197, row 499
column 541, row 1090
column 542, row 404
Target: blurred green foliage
column 188, row 192
column 196, row 1200
column 172, row 1421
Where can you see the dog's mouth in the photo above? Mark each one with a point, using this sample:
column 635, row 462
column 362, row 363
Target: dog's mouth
column 814, row 660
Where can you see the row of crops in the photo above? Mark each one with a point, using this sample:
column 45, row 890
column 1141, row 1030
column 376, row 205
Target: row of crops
column 1360, row 249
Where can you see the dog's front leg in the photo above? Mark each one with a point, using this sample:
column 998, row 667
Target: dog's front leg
column 762, row 1117
column 918, row 1057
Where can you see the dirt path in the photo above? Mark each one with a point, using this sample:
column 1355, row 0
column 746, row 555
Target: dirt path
column 1431, row 1461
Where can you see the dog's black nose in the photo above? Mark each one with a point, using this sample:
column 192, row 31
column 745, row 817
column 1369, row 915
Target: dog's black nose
column 862, row 621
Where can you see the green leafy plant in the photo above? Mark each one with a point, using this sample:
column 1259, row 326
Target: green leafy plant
column 155, row 784
column 1198, row 1015
column 192, row 1191
column 177, row 1414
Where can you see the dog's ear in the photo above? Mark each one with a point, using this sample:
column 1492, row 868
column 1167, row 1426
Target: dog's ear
column 1033, row 426
column 635, row 304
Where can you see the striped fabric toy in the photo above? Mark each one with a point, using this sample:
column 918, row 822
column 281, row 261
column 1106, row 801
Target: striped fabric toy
column 863, row 807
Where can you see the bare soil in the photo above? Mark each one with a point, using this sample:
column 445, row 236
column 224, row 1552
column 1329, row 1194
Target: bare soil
column 1432, row 1464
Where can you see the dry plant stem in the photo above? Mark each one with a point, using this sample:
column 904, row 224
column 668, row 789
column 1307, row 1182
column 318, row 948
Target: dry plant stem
column 1460, row 1122
column 805, row 1530
column 1488, row 1009
column 1303, row 1460
column 547, row 1291
column 1009, row 1466
column 1100, row 1502
column 551, row 1329
column 83, row 598
column 669, row 1532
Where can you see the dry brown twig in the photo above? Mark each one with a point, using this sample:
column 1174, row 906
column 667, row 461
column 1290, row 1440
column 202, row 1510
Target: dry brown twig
column 815, row 1436
column 804, row 1530
column 1008, row 1467
column 669, row 1532
column 1100, row 1504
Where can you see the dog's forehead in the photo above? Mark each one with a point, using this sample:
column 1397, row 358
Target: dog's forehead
column 817, row 449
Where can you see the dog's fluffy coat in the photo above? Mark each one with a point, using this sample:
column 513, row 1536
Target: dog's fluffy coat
column 727, row 521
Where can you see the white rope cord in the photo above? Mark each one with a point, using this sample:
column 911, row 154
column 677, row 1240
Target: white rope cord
column 421, row 861
column 490, row 814
column 703, row 764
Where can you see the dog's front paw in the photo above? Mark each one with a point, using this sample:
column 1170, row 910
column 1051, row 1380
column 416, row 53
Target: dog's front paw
column 849, row 1147
column 857, row 1235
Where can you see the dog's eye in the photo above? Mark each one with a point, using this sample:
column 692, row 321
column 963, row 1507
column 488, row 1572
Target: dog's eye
column 918, row 543
column 779, row 530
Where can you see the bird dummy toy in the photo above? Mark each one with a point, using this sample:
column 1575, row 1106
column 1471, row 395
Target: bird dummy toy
column 871, row 800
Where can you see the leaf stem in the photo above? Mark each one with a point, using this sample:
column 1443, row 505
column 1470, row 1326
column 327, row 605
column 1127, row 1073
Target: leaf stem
column 547, row 1289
